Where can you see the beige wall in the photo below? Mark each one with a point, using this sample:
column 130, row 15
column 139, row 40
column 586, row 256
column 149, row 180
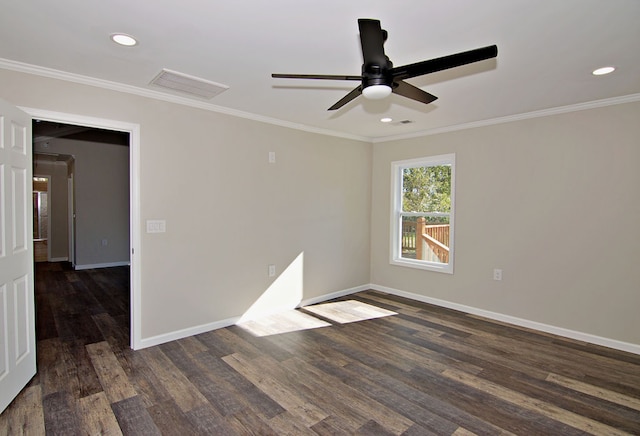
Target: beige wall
column 553, row 201
column 229, row 213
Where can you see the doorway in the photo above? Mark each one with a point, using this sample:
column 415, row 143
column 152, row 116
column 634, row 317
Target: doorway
column 98, row 161
column 78, row 124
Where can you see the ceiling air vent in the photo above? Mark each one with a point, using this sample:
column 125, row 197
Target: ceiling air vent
column 183, row 83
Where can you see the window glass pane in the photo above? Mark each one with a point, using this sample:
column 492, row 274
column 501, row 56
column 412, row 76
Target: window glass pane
column 425, row 238
column 426, row 189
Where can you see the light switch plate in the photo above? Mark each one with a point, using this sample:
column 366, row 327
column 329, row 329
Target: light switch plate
column 156, row 226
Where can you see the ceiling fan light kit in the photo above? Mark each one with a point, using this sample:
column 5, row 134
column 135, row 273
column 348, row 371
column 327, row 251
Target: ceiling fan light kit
column 379, row 78
column 376, row 92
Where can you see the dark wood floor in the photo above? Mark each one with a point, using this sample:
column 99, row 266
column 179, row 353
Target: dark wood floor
column 422, row 370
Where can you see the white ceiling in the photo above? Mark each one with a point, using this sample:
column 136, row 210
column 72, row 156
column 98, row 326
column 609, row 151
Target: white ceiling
column 546, row 52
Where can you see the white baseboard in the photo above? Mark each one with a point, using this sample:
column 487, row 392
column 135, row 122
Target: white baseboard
column 191, row 331
column 58, row 259
column 101, row 265
column 567, row 333
column 333, row 295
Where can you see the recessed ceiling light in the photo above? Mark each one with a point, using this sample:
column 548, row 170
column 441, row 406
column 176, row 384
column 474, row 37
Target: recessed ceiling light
column 386, row 120
column 123, row 39
column 604, row 70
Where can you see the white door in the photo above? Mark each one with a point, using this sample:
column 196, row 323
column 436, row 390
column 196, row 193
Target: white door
column 17, row 308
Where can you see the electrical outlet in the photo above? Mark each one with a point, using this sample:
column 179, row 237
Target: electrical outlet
column 272, row 270
column 497, row 274
column 105, row 242
column 272, row 157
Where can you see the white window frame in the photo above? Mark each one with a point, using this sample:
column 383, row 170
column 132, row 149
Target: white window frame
column 396, row 213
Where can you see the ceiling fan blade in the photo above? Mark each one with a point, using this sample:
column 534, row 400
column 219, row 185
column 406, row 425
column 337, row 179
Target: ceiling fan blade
column 347, row 98
column 372, row 41
column 315, row 76
column 406, row 90
column 444, row 63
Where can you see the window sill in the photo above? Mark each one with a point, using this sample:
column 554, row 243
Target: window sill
column 446, row 268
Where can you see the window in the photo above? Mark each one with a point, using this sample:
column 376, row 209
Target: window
column 422, row 213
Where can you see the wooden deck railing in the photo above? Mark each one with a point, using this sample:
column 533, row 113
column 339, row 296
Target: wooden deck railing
column 432, row 243
column 408, row 235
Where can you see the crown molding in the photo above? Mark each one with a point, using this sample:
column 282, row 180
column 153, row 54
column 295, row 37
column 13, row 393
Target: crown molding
column 149, row 93
column 518, row 117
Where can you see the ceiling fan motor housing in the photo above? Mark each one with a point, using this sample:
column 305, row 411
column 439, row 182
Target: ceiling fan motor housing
column 377, row 75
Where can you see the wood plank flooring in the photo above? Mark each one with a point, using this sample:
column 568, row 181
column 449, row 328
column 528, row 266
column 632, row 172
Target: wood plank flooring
column 369, row 364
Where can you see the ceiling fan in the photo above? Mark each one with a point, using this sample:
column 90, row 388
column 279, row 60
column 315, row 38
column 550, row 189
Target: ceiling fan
column 379, row 78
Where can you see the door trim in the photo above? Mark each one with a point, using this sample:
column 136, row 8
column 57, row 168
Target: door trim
column 71, row 210
column 134, row 199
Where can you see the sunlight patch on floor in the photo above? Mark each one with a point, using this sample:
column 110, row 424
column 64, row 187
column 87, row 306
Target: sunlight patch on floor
column 284, row 322
column 341, row 312
column 348, row 311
